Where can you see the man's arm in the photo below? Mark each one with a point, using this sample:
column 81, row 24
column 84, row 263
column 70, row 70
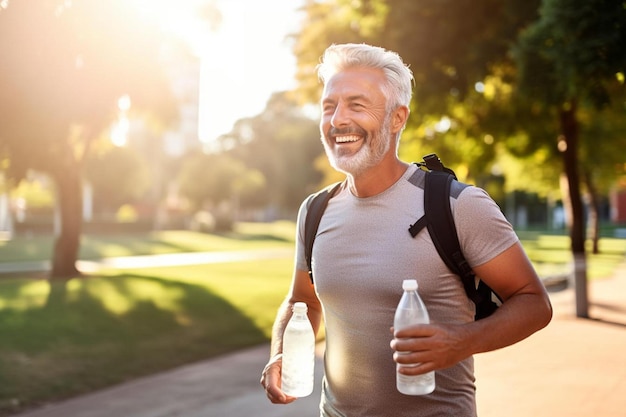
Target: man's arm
column 526, row 306
column 525, row 309
column 301, row 290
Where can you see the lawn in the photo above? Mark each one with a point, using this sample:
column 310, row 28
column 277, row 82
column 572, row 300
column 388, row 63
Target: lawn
column 62, row 339
column 551, row 255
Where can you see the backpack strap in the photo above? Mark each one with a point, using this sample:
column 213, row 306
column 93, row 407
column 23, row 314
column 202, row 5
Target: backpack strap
column 316, row 206
column 440, row 224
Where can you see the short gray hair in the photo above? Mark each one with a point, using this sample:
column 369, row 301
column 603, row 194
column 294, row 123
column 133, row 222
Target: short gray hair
column 339, row 57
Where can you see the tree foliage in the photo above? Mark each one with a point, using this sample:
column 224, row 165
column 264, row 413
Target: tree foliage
column 452, row 44
column 575, row 50
column 64, row 65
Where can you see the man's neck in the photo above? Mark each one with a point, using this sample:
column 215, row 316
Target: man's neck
column 377, row 179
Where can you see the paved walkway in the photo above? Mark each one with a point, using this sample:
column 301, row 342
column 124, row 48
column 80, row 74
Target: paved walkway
column 574, row 367
column 152, row 261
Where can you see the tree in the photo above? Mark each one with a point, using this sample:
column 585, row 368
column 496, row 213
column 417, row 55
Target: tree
column 281, row 143
column 572, row 57
column 118, row 176
column 602, row 164
column 217, row 183
column 59, row 87
column 207, row 180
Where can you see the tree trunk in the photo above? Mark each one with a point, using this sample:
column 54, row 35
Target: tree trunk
column 594, row 212
column 67, row 243
column 569, row 129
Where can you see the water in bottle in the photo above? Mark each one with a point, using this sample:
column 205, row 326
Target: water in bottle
column 298, row 354
column 411, row 310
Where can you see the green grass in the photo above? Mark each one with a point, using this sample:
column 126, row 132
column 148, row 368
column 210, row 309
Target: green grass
column 62, row 339
column 551, row 255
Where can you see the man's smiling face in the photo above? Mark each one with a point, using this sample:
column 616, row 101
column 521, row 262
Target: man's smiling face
column 355, row 126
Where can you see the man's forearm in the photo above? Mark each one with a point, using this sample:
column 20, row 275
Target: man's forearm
column 515, row 320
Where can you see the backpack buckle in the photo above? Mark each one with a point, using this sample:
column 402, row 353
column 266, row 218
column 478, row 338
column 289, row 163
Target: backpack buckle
column 433, row 162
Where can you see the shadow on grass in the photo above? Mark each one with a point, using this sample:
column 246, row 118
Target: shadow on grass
column 93, row 332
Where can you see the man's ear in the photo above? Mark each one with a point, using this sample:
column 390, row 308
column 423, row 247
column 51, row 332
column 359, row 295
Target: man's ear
column 399, row 118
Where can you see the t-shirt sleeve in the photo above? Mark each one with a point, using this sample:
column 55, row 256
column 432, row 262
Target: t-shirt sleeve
column 483, row 230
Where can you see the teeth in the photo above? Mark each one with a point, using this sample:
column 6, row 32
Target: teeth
column 345, row 139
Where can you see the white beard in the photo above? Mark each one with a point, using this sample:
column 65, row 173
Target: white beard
column 369, row 155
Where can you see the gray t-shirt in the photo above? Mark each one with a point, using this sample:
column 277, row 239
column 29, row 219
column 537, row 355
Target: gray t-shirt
column 362, row 253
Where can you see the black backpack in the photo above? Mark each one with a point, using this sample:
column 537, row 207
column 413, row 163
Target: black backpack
column 440, row 225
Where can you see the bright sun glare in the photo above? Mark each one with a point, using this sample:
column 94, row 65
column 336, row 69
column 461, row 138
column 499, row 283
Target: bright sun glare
column 243, row 61
column 179, row 18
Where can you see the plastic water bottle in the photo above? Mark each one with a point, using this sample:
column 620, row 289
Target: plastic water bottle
column 411, row 310
column 298, row 354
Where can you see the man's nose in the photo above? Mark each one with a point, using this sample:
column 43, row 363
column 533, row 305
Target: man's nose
column 340, row 116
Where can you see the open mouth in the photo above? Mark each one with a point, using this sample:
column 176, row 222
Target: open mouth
column 347, row 139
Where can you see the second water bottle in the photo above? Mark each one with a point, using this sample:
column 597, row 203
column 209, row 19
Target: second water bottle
column 411, row 310
column 298, row 354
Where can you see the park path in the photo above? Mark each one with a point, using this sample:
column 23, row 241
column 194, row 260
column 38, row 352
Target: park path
column 154, row 261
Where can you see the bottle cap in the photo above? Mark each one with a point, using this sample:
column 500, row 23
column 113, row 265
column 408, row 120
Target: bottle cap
column 300, row 307
column 409, row 285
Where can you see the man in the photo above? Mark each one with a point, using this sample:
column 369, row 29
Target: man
column 363, row 251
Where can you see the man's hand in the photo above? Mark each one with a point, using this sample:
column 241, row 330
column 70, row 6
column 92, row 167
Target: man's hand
column 430, row 346
column 271, row 381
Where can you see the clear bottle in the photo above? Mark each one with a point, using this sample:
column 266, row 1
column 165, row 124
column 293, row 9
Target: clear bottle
column 411, row 310
column 298, row 354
